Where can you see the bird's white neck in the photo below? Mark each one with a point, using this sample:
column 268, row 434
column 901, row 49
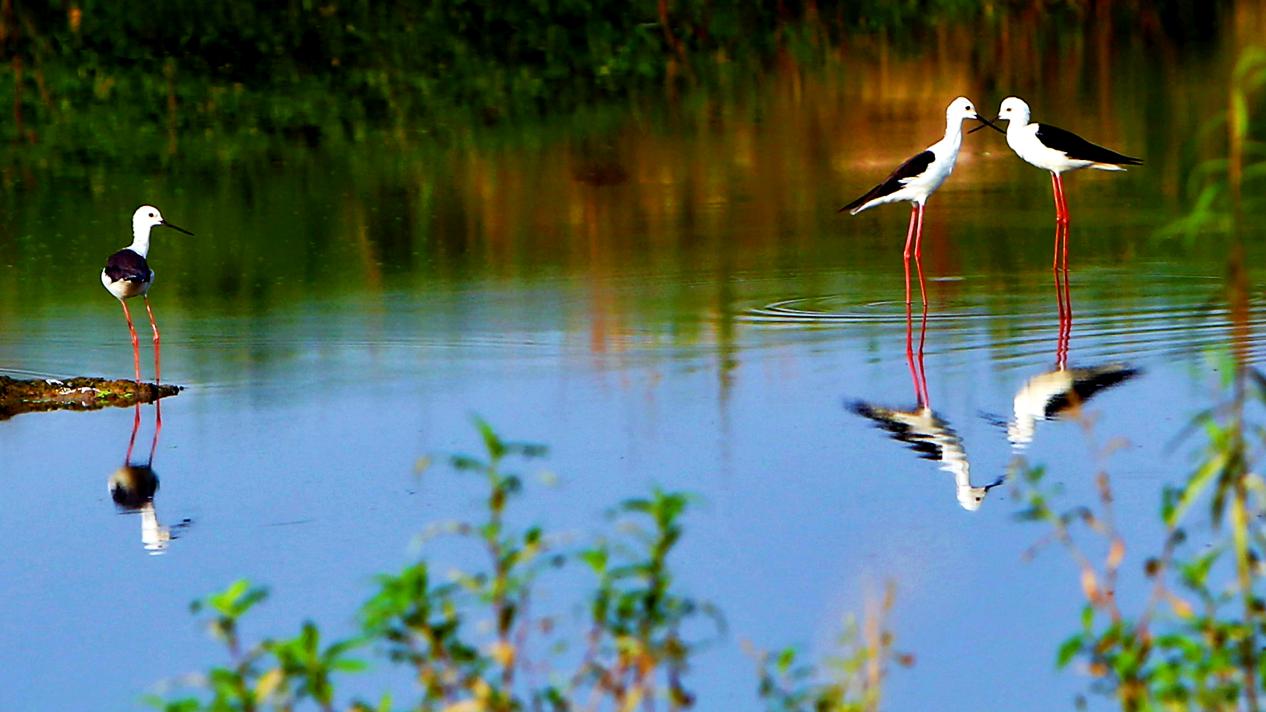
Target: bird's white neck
column 953, row 134
column 1017, row 124
column 140, row 240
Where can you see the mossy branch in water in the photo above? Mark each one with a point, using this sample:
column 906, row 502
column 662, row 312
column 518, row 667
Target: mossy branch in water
column 28, row 396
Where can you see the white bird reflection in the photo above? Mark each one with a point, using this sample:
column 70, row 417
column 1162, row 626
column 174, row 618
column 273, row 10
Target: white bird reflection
column 923, row 430
column 133, row 485
column 1060, row 392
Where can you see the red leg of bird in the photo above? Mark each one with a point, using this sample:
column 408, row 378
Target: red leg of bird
column 923, row 377
column 158, row 372
column 1066, row 230
column 158, row 427
column 915, row 362
column 918, row 255
column 1061, row 220
column 136, row 343
column 1063, row 201
column 906, row 254
column 1061, row 343
column 1059, row 291
column 1059, row 214
column 1061, row 245
column 136, row 425
column 1065, row 323
column 914, row 375
column 1058, row 221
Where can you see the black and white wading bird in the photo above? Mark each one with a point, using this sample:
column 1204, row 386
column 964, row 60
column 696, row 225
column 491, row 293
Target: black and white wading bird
column 925, row 432
column 127, row 274
column 133, row 486
column 1056, row 150
column 916, row 179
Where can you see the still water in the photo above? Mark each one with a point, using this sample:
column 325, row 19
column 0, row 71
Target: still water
column 667, row 299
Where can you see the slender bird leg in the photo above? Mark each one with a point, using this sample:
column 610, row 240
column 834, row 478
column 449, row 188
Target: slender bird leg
column 158, row 426
column 1063, row 202
column 1059, row 215
column 136, row 425
column 923, row 376
column 1059, row 291
column 906, row 255
column 158, row 375
column 914, row 374
column 1065, row 321
column 1061, row 220
column 1059, row 234
column 916, row 363
column 918, row 235
column 1066, row 247
column 136, row 344
column 918, row 256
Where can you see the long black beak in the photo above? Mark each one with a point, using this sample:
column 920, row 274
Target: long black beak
column 177, row 228
column 986, row 122
column 1002, row 479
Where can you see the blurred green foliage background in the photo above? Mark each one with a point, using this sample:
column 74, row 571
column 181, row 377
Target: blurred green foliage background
column 89, row 81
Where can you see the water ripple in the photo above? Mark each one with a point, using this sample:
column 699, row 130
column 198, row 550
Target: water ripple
column 1187, row 316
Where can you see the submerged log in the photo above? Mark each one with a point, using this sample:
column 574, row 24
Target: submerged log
column 82, row 393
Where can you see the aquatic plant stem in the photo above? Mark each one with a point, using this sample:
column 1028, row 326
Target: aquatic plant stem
column 1239, row 466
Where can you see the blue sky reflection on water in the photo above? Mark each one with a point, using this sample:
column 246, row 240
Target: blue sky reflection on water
column 299, row 476
column 348, row 322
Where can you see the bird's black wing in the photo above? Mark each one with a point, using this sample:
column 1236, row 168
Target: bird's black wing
column 1087, row 385
column 924, row 444
column 127, row 265
column 1078, row 148
column 896, row 181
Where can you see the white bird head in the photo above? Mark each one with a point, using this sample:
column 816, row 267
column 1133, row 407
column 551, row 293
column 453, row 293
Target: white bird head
column 971, row 497
column 147, row 217
column 1014, row 109
column 960, row 109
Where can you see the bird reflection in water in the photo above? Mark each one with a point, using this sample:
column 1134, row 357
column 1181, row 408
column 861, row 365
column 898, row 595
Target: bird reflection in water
column 923, row 430
column 1059, row 393
column 132, row 487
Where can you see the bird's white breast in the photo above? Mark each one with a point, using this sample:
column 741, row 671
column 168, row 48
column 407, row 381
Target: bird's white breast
column 124, row 289
column 946, row 152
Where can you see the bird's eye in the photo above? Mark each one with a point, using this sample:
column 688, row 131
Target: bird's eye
column 151, row 215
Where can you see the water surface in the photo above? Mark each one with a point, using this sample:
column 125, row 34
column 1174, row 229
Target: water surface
column 669, row 300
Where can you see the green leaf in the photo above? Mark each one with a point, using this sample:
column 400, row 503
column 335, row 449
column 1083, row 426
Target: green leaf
column 1196, row 485
column 1068, row 649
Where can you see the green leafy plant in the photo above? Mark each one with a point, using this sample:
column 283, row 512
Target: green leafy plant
column 1195, row 642
column 471, row 640
column 850, row 681
column 1223, row 187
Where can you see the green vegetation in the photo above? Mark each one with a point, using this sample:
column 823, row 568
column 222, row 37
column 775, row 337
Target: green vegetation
column 1225, row 187
column 1195, row 641
column 93, row 81
column 851, row 681
column 475, row 640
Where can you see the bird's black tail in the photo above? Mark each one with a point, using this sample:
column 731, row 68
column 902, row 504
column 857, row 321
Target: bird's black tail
column 856, row 204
